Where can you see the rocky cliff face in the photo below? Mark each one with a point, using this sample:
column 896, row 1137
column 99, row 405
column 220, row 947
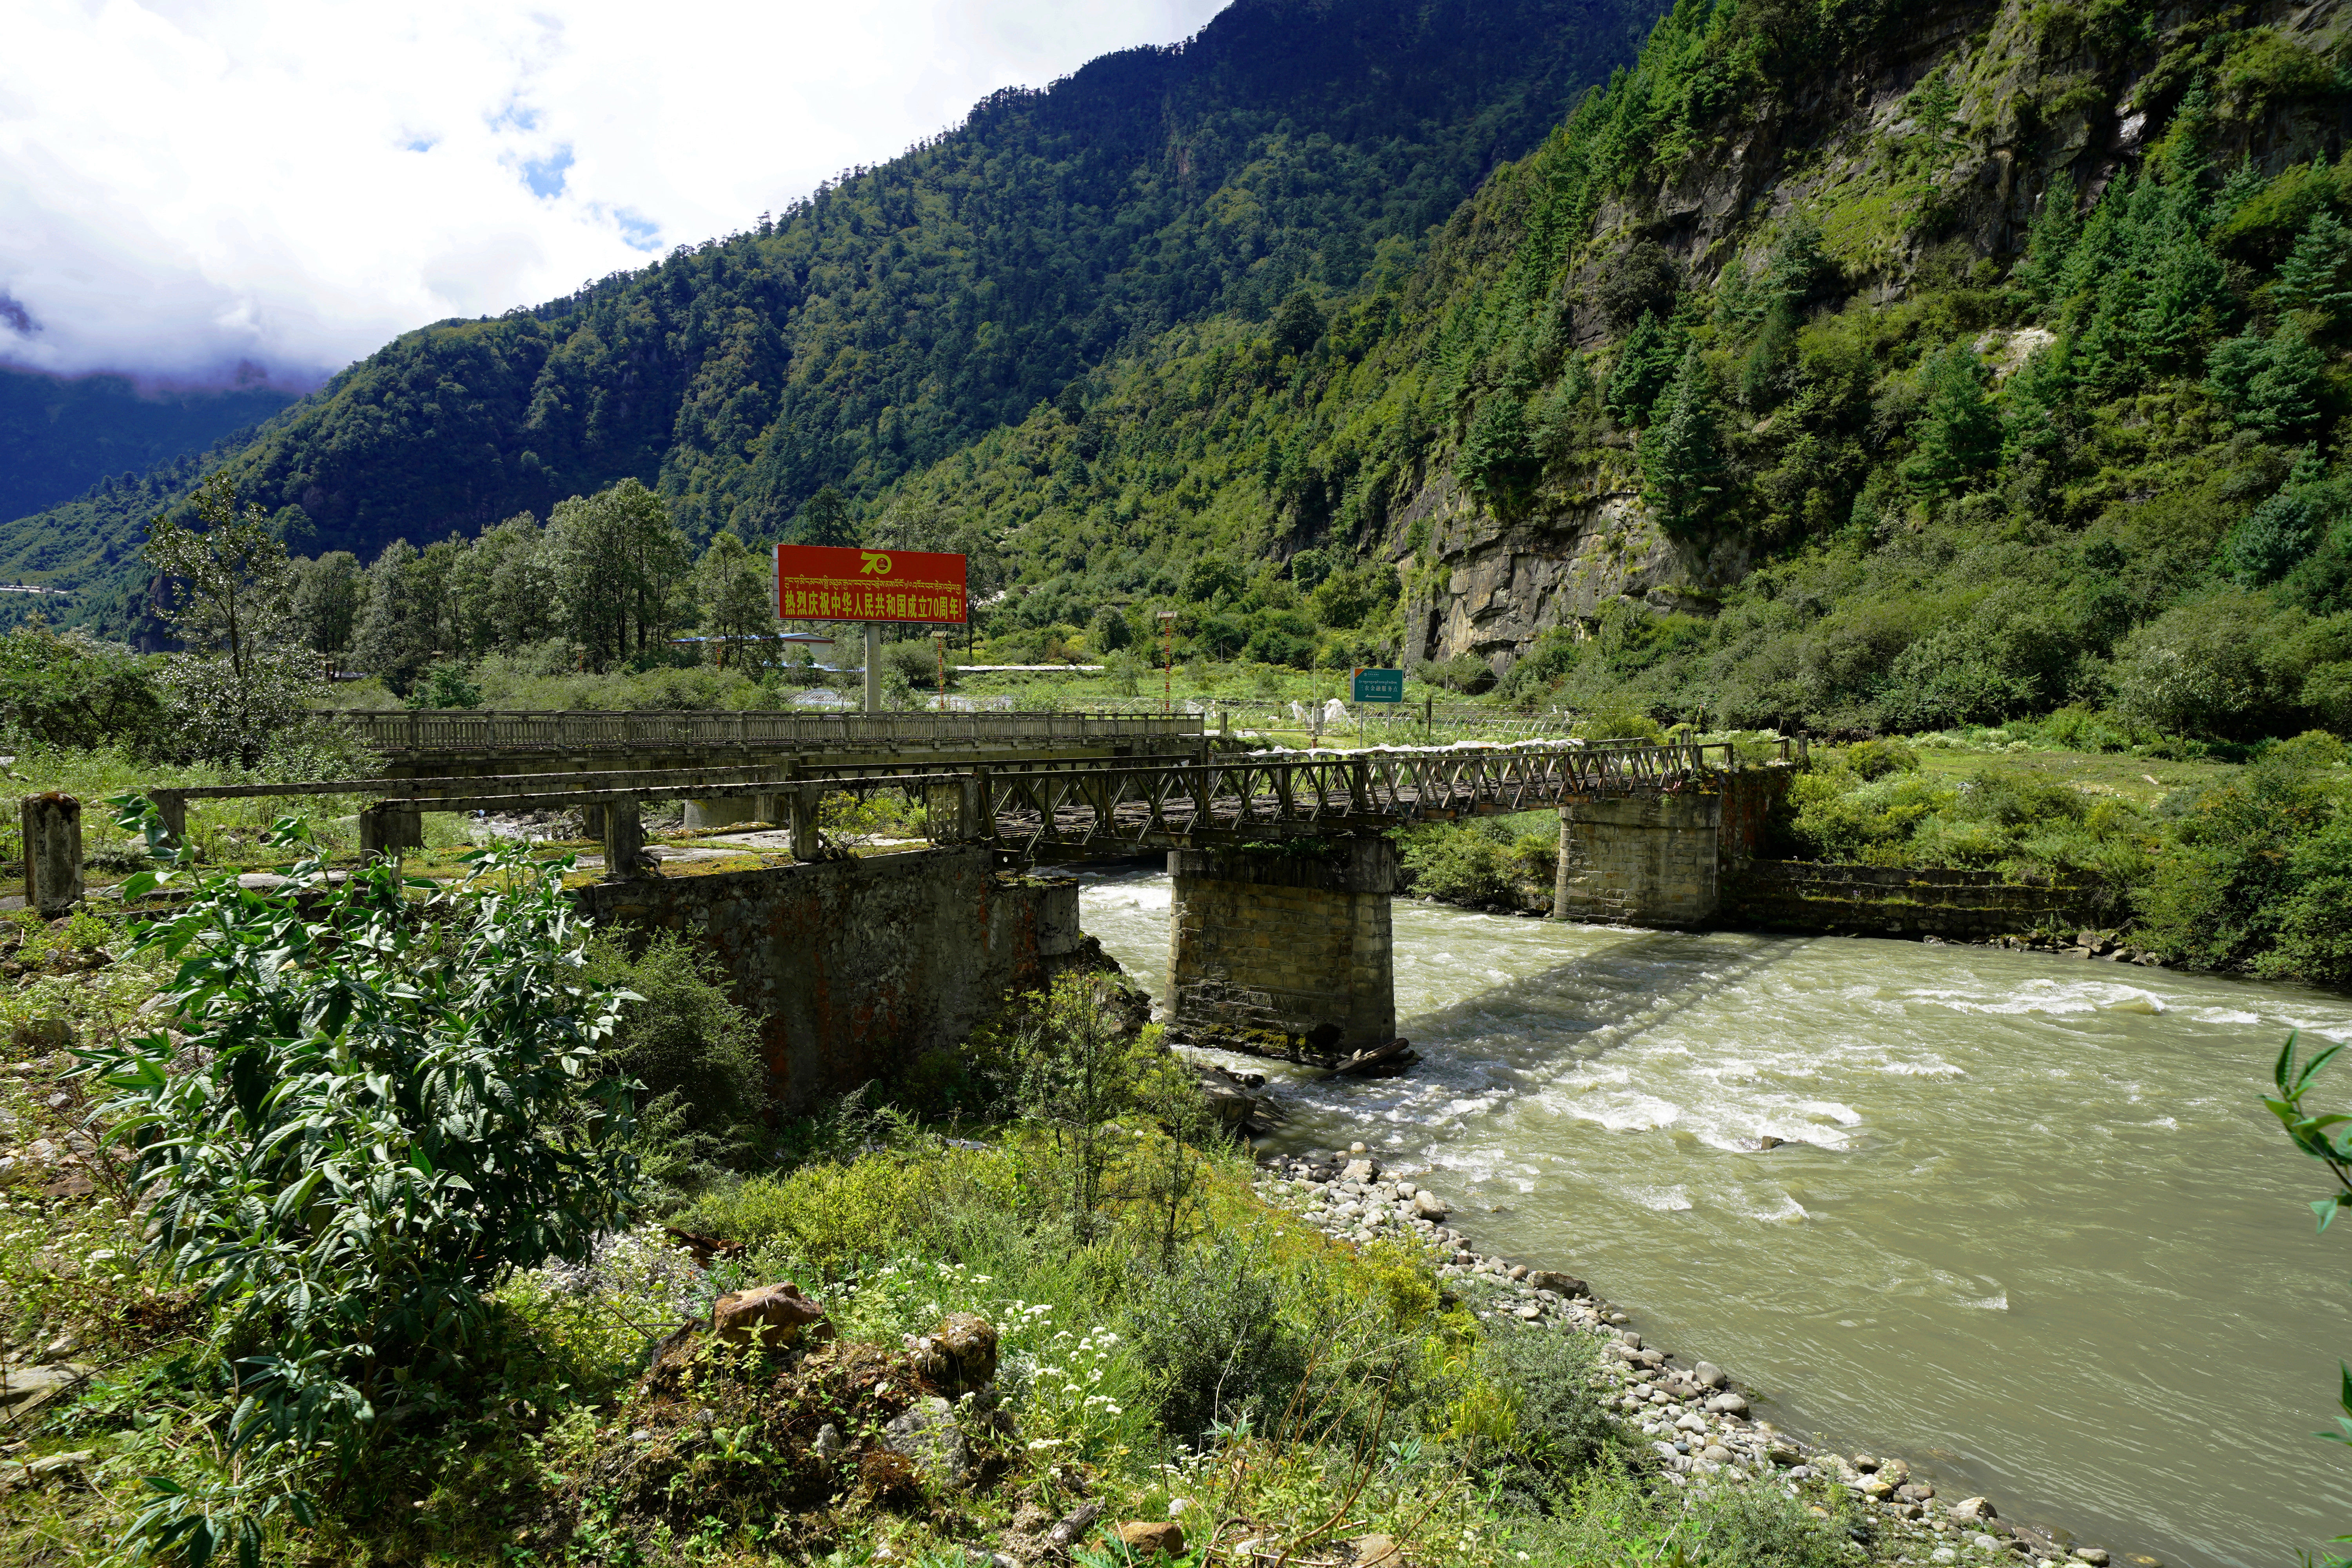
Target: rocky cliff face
column 1490, row 588
column 1931, row 144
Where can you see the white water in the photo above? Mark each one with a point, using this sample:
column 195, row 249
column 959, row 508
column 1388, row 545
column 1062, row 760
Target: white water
column 2030, row 1228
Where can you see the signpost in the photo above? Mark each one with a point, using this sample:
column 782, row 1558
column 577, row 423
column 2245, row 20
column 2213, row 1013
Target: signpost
column 1379, row 685
column 1168, row 661
column 848, row 582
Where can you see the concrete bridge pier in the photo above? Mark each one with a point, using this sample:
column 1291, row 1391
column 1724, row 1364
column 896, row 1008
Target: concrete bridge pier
column 389, row 827
column 624, row 840
column 704, row 814
column 1284, row 955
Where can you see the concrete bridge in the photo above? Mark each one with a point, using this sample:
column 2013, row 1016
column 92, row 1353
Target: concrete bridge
column 1280, row 938
column 482, row 742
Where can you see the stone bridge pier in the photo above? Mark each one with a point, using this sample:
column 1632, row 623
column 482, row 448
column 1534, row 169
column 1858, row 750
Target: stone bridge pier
column 1284, row 952
column 1661, row 859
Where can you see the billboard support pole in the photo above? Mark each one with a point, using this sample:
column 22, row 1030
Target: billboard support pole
column 874, row 667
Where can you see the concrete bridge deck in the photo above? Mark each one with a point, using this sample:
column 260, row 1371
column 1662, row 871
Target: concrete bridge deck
column 449, row 742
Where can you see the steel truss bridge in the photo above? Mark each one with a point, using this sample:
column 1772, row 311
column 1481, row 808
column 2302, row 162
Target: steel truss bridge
column 1066, row 809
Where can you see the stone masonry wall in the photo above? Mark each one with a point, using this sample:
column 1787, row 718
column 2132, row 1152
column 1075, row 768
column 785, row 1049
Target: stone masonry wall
column 1648, row 860
column 1749, row 796
column 1283, row 955
column 1800, row 895
column 856, row 967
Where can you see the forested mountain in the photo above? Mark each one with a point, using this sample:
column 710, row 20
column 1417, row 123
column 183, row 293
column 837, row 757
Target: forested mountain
column 907, row 308
column 59, row 436
column 1846, row 367
column 1849, row 367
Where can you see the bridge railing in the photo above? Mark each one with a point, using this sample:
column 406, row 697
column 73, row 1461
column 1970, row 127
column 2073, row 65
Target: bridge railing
column 1026, row 806
column 1094, row 805
column 395, row 732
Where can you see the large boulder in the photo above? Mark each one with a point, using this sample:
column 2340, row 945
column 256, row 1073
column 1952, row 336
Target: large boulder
column 1149, row 1537
column 927, row 1433
column 959, row 1356
column 770, row 1316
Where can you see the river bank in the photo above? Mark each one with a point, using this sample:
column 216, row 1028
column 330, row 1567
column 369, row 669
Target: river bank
column 1695, row 1421
column 2023, row 1219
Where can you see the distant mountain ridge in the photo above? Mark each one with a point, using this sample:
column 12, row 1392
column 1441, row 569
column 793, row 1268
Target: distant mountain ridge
column 897, row 315
column 60, row 435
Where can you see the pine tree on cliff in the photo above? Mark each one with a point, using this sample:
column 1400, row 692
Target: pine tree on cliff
column 1959, row 436
column 1680, row 465
column 2318, row 276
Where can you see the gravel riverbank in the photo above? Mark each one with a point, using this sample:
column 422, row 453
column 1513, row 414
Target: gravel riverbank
column 1693, row 1416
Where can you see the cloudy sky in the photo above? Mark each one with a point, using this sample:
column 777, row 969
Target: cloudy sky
column 188, row 185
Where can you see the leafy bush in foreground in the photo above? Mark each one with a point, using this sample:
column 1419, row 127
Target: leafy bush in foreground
column 381, row 1106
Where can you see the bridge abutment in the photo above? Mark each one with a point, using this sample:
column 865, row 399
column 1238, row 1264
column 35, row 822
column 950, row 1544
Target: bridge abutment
column 1661, row 859
column 859, row 969
column 1286, row 954
column 1644, row 860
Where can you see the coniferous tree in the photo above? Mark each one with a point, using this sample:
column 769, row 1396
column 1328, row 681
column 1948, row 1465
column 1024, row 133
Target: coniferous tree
column 2038, row 407
column 2231, row 368
column 1959, row 436
column 1645, row 364
column 2317, row 275
column 1299, row 325
column 1496, row 454
column 1680, row 464
column 2184, row 300
column 2057, row 226
column 824, row 520
column 2274, row 538
column 2283, row 398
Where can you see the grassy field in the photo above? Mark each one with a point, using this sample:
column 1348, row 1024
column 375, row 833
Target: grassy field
column 2142, row 781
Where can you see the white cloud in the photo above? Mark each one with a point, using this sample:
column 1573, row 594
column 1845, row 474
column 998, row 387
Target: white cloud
column 186, row 184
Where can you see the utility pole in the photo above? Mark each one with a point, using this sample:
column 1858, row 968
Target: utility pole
column 874, row 667
column 940, row 641
column 1168, row 661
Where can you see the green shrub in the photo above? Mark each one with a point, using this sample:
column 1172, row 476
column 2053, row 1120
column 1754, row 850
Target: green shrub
column 914, row 660
column 1609, row 1515
column 1222, row 1343
column 831, row 1214
column 446, row 684
column 2248, row 853
column 1465, row 672
column 1831, row 815
column 2210, row 668
column 74, row 691
column 1456, row 865
column 379, row 1110
column 1544, row 666
column 1873, row 760
column 694, row 1054
column 1620, row 721
column 1557, row 1427
column 2314, row 924
column 2083, row 729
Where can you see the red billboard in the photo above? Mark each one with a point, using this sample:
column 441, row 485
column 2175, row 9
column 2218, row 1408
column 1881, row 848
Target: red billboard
column 831, row 583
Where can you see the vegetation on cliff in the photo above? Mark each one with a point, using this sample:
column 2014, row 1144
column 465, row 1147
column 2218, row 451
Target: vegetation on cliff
column 2003, row 377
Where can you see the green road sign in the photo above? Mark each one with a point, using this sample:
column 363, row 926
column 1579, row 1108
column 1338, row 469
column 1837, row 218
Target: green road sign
column 1379, row 686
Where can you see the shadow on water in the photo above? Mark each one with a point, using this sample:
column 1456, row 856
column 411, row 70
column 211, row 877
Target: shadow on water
column 1607, row 998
